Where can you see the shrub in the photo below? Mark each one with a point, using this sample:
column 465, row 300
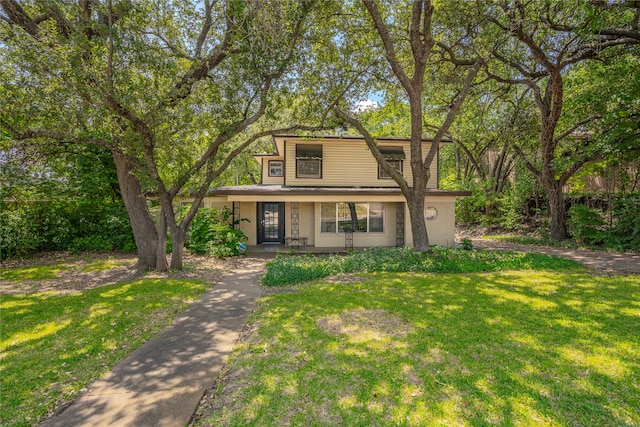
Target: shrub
column 74, row 225
column 297, row 269
column 625, row 235
column 466, row 244
column 586, row 225
column 212, row 233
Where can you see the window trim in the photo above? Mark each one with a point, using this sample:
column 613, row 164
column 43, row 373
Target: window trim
column 309, row 153
column 281, row 168
column 336, row 222
column 383, row 175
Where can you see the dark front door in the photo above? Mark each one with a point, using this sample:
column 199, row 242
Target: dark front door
column 271, row 222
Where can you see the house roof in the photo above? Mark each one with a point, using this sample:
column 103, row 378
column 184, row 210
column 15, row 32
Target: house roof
column 256, row 190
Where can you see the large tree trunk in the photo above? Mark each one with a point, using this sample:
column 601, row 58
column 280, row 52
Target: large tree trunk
column 161, row 249
column 144, row 231
column 418, row 225
column 178, row 238
column 557, row 210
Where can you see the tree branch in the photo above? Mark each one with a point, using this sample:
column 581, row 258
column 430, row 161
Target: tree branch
column 373, row 146
column 576, row 126
column 390, row 52
column 453, row 110
column 206, row 27
column 526, row 161
column 19, row 17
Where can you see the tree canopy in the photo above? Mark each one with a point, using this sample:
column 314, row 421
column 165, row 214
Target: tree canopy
column 177, row 92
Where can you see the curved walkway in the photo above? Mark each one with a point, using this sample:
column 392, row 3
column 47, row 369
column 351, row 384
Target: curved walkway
column 608, row 262
column 162, row 382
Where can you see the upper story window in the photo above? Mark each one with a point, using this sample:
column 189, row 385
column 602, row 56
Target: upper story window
column 276, row 168
column 308, row 161
column 394, row 156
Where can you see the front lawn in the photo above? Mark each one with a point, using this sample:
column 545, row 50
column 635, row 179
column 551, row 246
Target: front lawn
column 54, row 343
column 535, row 347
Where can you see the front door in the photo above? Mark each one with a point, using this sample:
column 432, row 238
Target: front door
column 271, row 222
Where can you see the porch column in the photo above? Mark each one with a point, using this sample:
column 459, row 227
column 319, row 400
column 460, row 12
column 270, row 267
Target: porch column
column 399, row 224
column 295, row 225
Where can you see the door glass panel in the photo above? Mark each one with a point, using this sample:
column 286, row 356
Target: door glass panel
column 271, row 222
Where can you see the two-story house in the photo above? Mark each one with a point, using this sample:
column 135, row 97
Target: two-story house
column 330, row 192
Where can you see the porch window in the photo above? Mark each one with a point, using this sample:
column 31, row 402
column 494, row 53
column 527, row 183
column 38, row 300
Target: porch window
column 394, row 156
column 358, row 217
column 308, row 161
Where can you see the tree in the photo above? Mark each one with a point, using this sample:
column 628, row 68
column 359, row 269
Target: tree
column 176, row 90
column 406, row 59
column 536, row 45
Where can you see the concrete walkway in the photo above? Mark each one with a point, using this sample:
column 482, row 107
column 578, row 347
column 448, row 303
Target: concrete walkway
column 603, row 261
column 162, row 382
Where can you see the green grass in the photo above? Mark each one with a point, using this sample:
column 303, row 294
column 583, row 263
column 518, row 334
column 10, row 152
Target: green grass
column 285, row 270
column 100, row 265
column 526, row 348
column 534, row 240
column 52, row 345
column 39, row 272
column 52, row 271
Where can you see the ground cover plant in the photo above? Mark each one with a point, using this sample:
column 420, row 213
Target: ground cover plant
column 296, row 269
column 539, row 347
column 54, row 343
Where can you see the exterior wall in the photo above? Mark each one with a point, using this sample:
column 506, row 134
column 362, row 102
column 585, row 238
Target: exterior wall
column 348, row 163
column 210, row 202
column 249, row 210
column 442, row 230
column 306, row 221
column 266, row 179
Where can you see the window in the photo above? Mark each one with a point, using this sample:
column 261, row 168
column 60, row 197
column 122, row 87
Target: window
column 376, row 217
column 358, row 217
column 394, row 156
column 352, row 217
column 328, row 217
column 308, row 161
column 394, row 163
column 275, row 168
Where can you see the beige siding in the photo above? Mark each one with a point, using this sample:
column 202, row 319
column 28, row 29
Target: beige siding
column 349, row 162
column 266, row 179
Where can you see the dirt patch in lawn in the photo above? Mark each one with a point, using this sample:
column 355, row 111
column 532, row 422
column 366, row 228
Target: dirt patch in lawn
column 75, row 273
column 364, row 324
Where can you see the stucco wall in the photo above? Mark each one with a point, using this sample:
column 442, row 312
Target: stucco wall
column 248, row 210
column 441, row 230
column 306, row 221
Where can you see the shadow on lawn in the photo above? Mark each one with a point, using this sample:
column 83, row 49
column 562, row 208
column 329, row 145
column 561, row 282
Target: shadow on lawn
column 54, row 344
column 507, row 348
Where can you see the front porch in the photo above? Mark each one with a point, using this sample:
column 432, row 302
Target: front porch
column 286, row 249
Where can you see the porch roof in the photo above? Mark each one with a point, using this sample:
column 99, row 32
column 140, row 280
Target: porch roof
column 270, row 190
